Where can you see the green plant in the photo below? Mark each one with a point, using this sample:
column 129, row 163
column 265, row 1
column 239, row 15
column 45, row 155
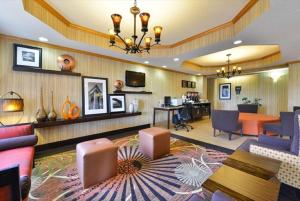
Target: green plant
column 256, row 101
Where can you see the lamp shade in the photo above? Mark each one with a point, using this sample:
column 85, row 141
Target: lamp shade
column 11, row 104
column 157, row 32
column 116, row 18
column 148, row 42
column 144, row 19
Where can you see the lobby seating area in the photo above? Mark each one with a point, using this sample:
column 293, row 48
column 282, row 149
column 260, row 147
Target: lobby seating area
column 141, row 100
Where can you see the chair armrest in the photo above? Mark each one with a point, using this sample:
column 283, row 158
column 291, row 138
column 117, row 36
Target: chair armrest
column 17, row 142
column 25, row 184
column 275, row 143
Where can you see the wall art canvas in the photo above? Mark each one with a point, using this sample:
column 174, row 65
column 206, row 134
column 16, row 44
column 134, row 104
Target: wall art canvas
column 27, row 56
column 225, row 91
column 117, row 103
column 94, row 96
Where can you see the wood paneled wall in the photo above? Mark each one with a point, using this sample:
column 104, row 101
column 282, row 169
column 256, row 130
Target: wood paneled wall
column 160, row 82
column 274, row 94
column 294, row 86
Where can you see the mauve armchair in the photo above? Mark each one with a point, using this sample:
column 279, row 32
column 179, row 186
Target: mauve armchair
column 285, row 127
column 227, row 121
column 17, row 148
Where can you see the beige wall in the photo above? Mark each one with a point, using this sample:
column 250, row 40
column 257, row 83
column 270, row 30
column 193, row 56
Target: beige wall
column 159, row 81
column 274, row 94
column 294, row 86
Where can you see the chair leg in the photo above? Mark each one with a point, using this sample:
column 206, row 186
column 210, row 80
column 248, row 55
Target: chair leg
column 214, row 132
column 241, row 132
column 230, row 136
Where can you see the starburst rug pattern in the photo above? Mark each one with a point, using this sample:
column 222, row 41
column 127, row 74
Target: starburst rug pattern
column 174, row 177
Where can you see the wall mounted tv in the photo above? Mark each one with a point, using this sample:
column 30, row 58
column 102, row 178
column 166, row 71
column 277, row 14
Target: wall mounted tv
column 134, row 79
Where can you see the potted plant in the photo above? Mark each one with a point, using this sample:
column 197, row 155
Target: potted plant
column 249, row 106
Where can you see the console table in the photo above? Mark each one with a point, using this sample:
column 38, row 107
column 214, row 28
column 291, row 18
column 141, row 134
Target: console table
column 168, row 110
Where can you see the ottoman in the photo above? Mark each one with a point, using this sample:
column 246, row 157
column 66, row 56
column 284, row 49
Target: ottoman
column 97, row 161
column 154, row 142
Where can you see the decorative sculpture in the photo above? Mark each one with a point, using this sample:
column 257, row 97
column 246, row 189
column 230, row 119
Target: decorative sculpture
column 73, row 111
column 41, row 114
column 66, row 62
column 52, row 114
column 118, row 85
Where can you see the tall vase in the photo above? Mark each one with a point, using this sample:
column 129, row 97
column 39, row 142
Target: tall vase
column 41, row 114
column 131, row 108
column 52, row 114
column 135, row 103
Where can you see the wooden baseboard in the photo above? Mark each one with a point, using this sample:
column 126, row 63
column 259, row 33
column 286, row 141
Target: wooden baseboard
column 74, row 141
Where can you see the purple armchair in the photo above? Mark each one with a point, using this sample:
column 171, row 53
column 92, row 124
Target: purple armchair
column 291, row 146
column 227, row 121
column 285, row 127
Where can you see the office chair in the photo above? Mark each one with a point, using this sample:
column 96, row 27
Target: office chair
column 180, row 120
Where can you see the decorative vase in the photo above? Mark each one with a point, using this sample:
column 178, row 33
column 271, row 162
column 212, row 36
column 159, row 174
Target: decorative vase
column 131, row 108
column 66, row 62
column 41, row 114
column 135, row 103
column 70, row 110
column 52, row 114
column 118, row 85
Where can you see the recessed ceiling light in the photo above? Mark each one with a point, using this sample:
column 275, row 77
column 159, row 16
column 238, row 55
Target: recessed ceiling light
column 43, row 39
column 146, row 62
column 199, row 74
column 237, row 42
column 176, row 59
column 164, row 66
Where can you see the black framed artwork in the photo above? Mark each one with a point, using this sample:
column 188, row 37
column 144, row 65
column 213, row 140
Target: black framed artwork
column 193, row 84
column 183, row 83
column 94, row 96
column 225, row 91
column 117, row 103
column 27, row 56
column 189, row 84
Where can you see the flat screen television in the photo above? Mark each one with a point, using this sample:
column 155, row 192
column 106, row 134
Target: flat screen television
column 134, row 79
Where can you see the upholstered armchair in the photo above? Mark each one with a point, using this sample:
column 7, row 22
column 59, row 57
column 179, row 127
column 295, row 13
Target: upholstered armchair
column 289, row 172
column 285, row 127
column 17, row 148
column 227, row 121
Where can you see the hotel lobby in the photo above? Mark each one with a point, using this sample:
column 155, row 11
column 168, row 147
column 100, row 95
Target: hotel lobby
column 176, row 100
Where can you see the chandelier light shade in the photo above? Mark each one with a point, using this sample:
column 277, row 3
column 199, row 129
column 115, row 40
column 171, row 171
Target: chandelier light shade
column 230, row 73
column 131, row 45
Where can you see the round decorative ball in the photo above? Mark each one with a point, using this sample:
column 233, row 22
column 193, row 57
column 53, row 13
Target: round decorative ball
column 66, row 62
column 118, row 84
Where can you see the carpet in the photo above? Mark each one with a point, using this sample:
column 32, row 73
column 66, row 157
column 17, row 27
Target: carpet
column 174, row 177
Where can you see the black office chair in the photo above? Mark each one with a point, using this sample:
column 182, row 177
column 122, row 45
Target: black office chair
column 180, row 120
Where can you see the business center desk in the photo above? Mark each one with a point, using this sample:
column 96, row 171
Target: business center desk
column 199, row 110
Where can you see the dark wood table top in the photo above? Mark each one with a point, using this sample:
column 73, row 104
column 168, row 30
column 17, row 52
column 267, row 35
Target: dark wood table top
column 169, row 108
column 241, row 185
column 256, row 165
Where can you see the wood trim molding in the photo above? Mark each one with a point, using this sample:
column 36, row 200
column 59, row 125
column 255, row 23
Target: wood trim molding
column 36, row 43
column 69, row 24
column 237, row 63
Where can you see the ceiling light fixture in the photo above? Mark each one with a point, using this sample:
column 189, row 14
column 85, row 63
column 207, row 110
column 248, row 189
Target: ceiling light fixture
column 146, row 62
column 43, row 39
column 164, row 66
column 130, row 43
column 176, row 59
column 230, row 73
column 237, row 42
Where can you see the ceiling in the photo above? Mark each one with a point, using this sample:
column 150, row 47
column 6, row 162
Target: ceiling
column 277, row 26
column 238, row 54
column 166, row 13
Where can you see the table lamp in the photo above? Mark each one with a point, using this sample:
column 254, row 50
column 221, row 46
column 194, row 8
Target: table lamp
column 11, row 104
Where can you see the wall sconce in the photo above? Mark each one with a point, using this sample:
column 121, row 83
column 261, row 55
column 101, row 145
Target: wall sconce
column 11, row 104
column 276, row 74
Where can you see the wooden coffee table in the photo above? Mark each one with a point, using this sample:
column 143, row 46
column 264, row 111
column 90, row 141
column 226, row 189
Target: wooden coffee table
column 241, row 185
column 256, row 165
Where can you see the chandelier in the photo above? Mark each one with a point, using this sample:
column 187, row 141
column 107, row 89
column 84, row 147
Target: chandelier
column 230, row 73
column 131, row 45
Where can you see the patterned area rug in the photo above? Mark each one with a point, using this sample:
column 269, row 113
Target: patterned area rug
column 175, row 177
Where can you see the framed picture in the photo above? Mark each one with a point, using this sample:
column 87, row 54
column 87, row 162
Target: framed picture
column 193, row 84
column 184, row 84
column 189, row 84
column 117, row 103
column 225, row 91
column 27, row 56
column 94, row 96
